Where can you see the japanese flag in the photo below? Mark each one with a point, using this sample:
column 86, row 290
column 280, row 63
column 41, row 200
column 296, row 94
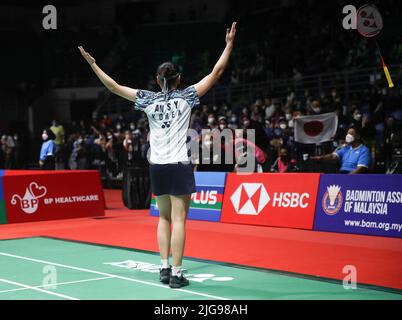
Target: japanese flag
column 316, row 129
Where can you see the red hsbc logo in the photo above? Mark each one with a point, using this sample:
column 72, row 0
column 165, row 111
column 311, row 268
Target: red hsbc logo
column 250, row 198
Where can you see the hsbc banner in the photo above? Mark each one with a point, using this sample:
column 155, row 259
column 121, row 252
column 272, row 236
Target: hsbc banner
column 50, row 195
column 206, row 203
column 271, row 199
column 360, row 204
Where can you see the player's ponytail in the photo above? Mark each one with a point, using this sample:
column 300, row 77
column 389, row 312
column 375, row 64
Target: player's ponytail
column 167, row 73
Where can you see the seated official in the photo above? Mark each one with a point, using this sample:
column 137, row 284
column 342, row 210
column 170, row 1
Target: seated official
column 354, row 157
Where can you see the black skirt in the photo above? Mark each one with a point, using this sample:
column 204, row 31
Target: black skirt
column 172, row 179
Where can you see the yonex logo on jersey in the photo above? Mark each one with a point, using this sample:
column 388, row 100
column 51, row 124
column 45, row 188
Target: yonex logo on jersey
column 250, row 198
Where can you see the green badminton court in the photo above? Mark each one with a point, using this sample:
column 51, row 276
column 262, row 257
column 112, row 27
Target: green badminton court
column 46, row 268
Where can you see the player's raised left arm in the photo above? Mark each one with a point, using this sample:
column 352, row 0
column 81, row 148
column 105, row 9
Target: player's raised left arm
column 209, row 81
column 108, row 82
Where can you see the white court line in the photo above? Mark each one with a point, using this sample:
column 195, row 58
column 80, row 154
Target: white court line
column 112, row 276
column 38, row 289
column 56, row 284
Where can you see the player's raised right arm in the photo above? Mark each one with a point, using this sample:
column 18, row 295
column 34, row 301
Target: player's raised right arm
column 108, row 82
column 209, row 81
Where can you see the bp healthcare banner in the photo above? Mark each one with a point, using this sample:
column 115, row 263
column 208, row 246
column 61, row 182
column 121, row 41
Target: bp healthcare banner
column 360, row 204
column 206, row 203
column 28, row 196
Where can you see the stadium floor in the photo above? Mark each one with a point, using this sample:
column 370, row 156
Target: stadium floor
column 86, row 271
column 246, row 262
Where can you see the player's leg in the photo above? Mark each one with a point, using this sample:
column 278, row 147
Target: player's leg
column 180, row 206
column 165, row 209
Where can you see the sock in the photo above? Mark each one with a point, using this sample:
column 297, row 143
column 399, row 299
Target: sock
column 176, row 271
column 165, row 263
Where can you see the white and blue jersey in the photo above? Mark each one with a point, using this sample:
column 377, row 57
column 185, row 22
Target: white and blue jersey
column 352, row 158
column 168, row 121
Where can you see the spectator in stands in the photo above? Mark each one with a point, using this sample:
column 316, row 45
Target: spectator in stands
column 79, row 154
column 17, row 152
column 47, row 151
column 355, row 157
column 207, row 157
column 357, row 118
column 98, row 157
column 260, row 137
column 128, row 145
column 245, row 149
column 58, row 131
column 315, row 108
column 112, row 158
column 392, row 138
column 8, row 148
column 284, row 163
column 106, row 121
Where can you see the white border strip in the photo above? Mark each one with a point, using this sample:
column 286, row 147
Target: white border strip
column 56, row 284
column 112, row 276
column 38, row 289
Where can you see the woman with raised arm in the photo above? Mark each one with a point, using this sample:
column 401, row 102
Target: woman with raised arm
column 172, row 177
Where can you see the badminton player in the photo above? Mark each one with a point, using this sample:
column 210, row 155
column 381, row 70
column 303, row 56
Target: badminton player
column 171, row 173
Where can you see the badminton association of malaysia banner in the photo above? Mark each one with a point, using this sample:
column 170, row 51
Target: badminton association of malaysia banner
column 360, row 204
column 271, row 199
column 51, row 195
column 316, row 129
column 206, row 203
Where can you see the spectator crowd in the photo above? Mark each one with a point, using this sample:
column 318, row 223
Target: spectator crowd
column 112, row 142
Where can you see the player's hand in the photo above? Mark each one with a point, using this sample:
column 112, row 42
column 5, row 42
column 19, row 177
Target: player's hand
column 316, row 158
column 230, row 34
column 86, row 55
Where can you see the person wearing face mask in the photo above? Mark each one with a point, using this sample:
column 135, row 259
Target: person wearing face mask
column 222, row 124
column 211, row 122
column 79, row 155
column 206, row 159
column 284, row 163
column 357, row 118
column 47, row 151
column 316, row 107
column 354, row 158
